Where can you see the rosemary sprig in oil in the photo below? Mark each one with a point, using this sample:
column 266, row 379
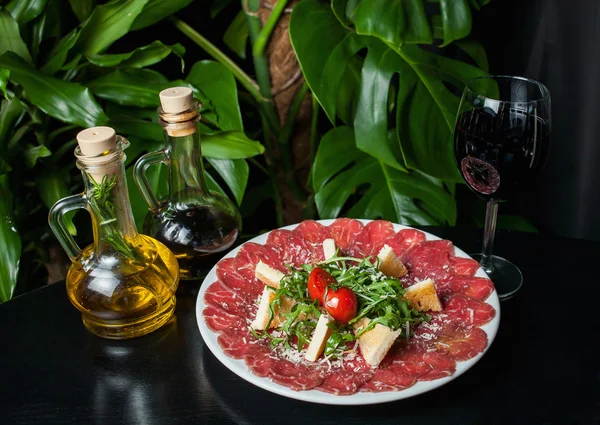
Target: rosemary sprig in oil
column 100, row 200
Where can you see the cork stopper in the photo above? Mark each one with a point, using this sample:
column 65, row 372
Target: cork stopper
column 97, row 152
column 176, row 100
column 93, row 141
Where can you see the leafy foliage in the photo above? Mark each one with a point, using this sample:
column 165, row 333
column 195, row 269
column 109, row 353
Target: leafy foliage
column 394, row 152
column 52, row 93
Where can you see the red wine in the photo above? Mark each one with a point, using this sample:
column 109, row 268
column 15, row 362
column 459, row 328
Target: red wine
column 497, row 153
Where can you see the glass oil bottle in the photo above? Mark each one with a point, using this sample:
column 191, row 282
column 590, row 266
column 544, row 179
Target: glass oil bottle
column 123, row 283
column 191, row 221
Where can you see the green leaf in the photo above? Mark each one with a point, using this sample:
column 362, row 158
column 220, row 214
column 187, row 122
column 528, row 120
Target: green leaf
column 342, row 9
column 136, row 122
column 341, row 170
column 217, row 83
column 52, row 186
column 4, row 167
column 4, row 75
column 157, row 175
column 425, row 106
column 10, row 243
column 65, row 101
column 423, row 97
column 229, row 145
column 140, row 57
column 213, row 185
column 217, row 6
column 348, row 97
column 82, row 8
column 456, row 18
column 33, row 153
column 59, row 52
column 157, row 10
column 236, row 36
column 476, row 51
column 371, row 123
column 11, row 40
column 478, row 4
column 255, row 197
column 437, row 27
column 332, row 48
column 26, row 10
column 395, row 22
column 235, row 174
column 133, row 87
column 108, row 23
column 10, row 112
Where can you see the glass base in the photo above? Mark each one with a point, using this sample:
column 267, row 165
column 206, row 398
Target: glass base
column 506, row 276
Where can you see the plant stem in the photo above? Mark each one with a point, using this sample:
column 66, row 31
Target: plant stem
column 271, row 172
column 258, row 165
column 261, row 67
column 284, row 142
column 244, row 79
column 69, row 146
column 61, row 130
column 265, row 33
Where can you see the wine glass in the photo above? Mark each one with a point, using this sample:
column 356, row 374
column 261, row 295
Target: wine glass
column 501, row 141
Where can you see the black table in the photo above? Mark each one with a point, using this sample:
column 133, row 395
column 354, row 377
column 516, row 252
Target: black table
column 541, row 369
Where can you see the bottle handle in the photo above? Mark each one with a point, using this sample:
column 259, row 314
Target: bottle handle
column 139, row 175
column 59, row 227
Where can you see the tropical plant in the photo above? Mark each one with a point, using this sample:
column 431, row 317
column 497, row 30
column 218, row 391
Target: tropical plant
column 354, row 104
column 391, row 148
column 56, row 77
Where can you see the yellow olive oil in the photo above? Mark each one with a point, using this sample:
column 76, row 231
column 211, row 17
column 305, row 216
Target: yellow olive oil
column 121, row 298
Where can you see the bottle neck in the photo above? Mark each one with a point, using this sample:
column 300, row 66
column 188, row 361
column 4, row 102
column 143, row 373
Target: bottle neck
column 186, row 173
column 108, row 202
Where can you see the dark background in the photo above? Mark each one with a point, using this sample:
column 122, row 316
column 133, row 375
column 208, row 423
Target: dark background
column 557, row 43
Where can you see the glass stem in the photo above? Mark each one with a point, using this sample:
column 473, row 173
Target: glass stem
column 491, row 216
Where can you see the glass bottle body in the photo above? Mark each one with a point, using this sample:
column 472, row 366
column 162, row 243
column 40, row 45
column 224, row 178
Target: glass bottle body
column 193, row 222
column 123, row 283
column 119, row 298
column 195, row 229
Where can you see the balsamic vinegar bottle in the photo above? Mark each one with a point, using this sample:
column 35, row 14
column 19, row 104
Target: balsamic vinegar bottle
column 195, row 223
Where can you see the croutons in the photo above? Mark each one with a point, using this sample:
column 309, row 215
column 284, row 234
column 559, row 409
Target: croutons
column 263, row 314
column 389, row 264
column 375, row 343
column 423, row 296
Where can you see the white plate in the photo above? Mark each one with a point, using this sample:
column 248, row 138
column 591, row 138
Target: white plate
column 239, row 366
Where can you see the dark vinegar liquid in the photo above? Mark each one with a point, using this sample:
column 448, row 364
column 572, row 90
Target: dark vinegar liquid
column 198, row 235
column 500, row 152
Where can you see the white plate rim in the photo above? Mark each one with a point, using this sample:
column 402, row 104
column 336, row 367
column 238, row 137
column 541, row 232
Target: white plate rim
column 238, row 366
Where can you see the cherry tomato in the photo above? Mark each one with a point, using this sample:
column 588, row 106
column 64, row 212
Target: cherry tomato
column 318, row 280
column 341, row 304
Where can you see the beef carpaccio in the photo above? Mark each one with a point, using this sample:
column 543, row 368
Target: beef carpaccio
column 451, row 336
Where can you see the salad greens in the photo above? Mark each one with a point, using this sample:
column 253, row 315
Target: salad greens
column 380, row 299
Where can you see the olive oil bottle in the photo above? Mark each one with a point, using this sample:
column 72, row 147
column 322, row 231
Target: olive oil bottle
column 123, row 283
column 193, row 222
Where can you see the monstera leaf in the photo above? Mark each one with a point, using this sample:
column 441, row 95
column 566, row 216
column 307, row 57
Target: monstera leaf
column 423, row 102
column 405, row 21
column 341, row 171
